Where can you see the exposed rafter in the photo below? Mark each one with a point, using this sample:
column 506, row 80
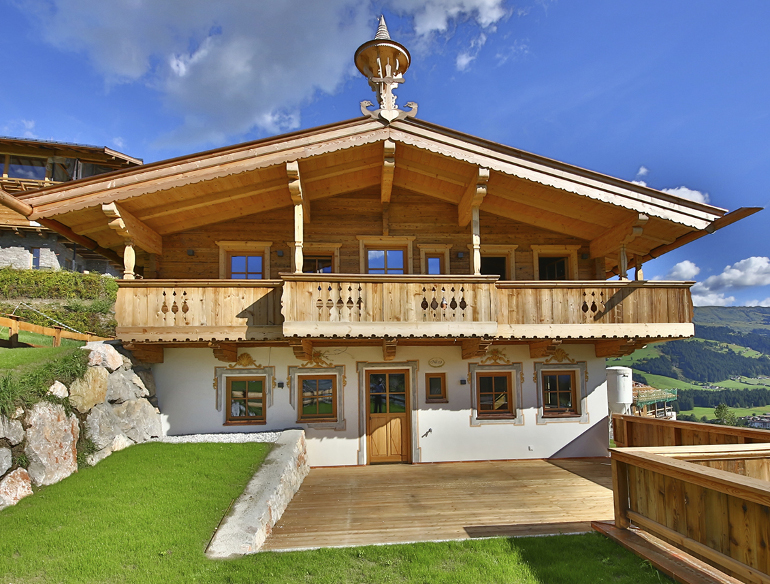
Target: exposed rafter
column 227, row 352
column 303, row 348
column 475, row 347
column 620, row 235
column 131, row 228
column 388, row 170
column 473, row 197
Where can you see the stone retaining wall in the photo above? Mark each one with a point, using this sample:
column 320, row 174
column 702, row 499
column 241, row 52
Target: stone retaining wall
column 113, row 407
column 264, row 500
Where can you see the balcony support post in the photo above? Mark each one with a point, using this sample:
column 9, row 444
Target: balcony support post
column 129, row 261
column 301, row 212
column 623, row 263
column 638, row 272
column 476, row 242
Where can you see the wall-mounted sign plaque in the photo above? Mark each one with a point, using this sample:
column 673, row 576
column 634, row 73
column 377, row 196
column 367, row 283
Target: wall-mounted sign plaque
column 436, row 362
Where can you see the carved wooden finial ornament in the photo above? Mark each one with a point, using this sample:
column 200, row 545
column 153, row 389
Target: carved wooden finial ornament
column 383, row 62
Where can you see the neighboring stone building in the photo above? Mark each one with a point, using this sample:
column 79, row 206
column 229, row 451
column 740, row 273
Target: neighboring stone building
column 28, row 165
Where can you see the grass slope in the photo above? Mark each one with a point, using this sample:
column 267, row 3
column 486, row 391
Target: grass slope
column 743, row 319
column 145, row 515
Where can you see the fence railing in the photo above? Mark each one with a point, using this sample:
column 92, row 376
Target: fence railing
column 15, row 324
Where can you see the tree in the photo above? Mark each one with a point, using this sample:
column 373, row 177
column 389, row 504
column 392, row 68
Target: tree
column 724, row 415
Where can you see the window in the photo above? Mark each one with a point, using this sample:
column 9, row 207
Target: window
column 494, row 394
column 245, row 267
column 385, row 261
column 318, row 399
column 435, row 387
column 35, row 258
column 559, row 393
column 245, row 400
column 494, row 266
column 434, row 264
column 317, row 264
column 244, row 260
column 553, row 268
column 555, row 262
column 385, row 254
column 27, row 168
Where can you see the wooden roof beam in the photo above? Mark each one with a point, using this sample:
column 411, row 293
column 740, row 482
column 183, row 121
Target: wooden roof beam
column 622, row 234
column 131, row 228
column 473, row 197
column 297, row 193
column 388, row 170
column 538, row 218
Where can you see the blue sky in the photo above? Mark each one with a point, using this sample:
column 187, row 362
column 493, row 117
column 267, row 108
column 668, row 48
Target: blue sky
column 675, row 94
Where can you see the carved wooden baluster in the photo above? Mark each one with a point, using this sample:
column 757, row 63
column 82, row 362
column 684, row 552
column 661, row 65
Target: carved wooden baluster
column 319, row 304
column 463, row 304
column 329, row 303
column 453, row 303
column 185, row 307
column 349, row 304
column 339, row 303
column 360, row 301
column 424, row 304
column 164, row 309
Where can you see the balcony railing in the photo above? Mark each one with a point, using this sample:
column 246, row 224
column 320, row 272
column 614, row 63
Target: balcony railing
column 594, row 309
column 343, row 305
column 361, row 305
column 192, row 310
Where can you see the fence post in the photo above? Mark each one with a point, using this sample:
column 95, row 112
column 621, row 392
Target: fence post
column 13, row 330
column 56, row 336
column 620, row 493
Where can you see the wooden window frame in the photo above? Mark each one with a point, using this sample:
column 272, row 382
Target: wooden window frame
column 367, row 242
column 509, row 251
column 227, row 248
column 247, row 254
column 385, row 249
column 294, row 382
column 317, row 249
column 443, row 397
column 580, row 371
column 496, row 414
column 304, row 419
column 568, row 251
column 561, row 413
column 6, row 161
column 442, row 251
column 239, row 420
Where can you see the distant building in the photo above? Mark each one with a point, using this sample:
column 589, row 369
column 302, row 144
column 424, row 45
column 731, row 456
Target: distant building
column 29, row 165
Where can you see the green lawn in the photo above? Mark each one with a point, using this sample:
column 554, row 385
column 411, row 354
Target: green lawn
column 145, row 515
column 740, row 412
column 36, row 339
column 22, row 357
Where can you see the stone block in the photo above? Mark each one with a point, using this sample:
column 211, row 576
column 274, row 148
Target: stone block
column 14, row 487
column 85, row 393
column 103, row 355
column 51, row 445
column 58, row 389
column 12, row 430
column 6, row 460
column 124, row 385
column 139, row 420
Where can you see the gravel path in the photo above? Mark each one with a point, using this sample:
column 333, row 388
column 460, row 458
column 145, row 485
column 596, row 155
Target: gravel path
column 230, row 437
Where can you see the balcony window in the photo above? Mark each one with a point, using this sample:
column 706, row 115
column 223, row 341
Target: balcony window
column 385, row 261
column 494, row 266
column 553, row 268
column 318, row 264
column 555, row 262
column 246, row 267
column 434, row 259
column 25, row 167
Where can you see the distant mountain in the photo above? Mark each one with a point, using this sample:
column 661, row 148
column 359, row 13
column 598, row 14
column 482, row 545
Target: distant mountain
column 742, row 319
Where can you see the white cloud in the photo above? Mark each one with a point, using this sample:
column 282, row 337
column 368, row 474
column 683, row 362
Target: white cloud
column 643, row 171
column 23, row 128
column 227, row 68
column 465, row 58
column 516, row 51
column 685, row 270
column 641, row 183
column 118, row 142
column 764, row 303
column 711, row 299
column 753, row 271
column 690, row 194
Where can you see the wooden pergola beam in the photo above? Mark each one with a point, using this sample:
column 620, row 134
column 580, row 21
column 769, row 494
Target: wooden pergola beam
column 388, row 170
column 131, row 228
column 473, row 196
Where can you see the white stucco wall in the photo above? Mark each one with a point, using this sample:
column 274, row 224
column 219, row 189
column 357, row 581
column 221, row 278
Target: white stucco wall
column 442, row 431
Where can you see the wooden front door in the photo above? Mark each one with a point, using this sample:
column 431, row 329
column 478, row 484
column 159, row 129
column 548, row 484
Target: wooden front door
column 387, row 416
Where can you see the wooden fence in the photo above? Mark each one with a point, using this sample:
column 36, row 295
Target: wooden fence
column 701, row 487
column 15, row 324
column 640, row 431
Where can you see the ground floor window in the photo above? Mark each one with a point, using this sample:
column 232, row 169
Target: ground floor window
column 435, row 387
column 494, row 394
column 317, row 399
column 35, row 258
column 560, row 393
column 245, row 400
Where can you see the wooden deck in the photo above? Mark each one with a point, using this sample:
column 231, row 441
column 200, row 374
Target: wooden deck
column 351, row 506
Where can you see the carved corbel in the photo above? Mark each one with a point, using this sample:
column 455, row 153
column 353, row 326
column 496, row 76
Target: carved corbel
column 145, row 352
column 475, row 347
column 545, row 348
column 617, row 347
column 389, row 348
column 303, row 348
column 227, row 352
column 473, row 196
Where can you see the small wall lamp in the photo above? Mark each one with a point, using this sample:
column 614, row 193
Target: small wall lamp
column 463, row 382
column 280, row 384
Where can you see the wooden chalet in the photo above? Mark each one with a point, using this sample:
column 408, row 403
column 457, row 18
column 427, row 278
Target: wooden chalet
column 403, row 291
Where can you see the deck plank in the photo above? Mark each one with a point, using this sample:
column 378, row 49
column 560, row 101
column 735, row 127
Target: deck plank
column 351, row 506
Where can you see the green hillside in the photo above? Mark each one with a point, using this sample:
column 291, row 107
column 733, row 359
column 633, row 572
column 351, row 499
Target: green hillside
column 742, row 319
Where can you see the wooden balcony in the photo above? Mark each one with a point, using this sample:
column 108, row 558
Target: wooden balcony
column 594, row 309
column 354, row 305
column 198, row 310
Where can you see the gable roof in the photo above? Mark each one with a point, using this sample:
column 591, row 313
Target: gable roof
column 179, row 194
